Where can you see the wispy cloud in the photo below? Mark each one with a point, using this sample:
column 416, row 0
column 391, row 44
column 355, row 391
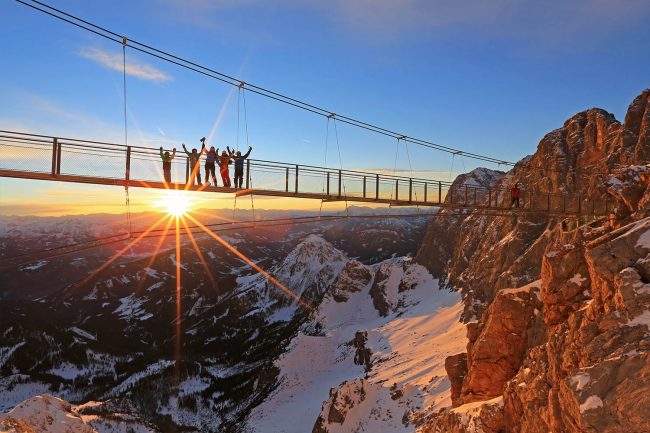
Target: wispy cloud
column 114, row 60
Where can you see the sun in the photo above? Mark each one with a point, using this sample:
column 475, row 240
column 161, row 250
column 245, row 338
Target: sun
column 175, row 203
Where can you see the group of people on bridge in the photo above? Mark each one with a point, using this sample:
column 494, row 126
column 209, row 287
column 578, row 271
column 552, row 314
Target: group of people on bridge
column 212, row 157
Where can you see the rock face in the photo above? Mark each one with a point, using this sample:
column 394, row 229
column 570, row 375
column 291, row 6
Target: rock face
column 507, row 330
column 592, row 373
column 557, row 319
column 352, row 279
column 456, row 368
column 483, row 254
column 43, row 414
column 341, row 401
column 391, row 279
column 362, row 355
column 436, row 250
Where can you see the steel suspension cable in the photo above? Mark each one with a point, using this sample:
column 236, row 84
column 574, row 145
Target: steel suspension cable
column 179, row 61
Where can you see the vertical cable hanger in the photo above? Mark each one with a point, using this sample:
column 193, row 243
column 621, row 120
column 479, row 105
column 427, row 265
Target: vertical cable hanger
column 250, row 178
column 338, row 147
column 126, row 134
column 327, row 133
column 408, row 156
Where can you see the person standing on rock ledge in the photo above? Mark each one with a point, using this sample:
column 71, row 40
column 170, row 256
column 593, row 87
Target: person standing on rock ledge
column 515, row 192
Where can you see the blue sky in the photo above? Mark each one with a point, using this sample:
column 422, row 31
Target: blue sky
column 486, row 77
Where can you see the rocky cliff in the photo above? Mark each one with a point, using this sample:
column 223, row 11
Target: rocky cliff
column 480, row 255
column 557, row 319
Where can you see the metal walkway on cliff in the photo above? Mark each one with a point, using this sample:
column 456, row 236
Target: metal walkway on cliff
column 40, row 157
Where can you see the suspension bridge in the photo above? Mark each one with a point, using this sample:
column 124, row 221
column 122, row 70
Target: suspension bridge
column 40, row 157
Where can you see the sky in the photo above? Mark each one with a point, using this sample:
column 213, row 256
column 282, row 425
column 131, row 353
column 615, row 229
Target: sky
column 485, row 77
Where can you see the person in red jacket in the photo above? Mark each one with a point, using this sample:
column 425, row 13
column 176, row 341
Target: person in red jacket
column 515, row 192
column 224, row 162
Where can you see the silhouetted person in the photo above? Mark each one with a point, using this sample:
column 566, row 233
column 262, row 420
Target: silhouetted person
column 239, row 165
column 195, row 168
column 210, row 159
column 224, row 161
column 167, row 164
column 515, row 193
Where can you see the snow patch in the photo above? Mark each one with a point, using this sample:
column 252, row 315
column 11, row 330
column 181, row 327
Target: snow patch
column 82, row 333
column 641, row 319
column 592, row 402
column 578, row 279
column 580, row 380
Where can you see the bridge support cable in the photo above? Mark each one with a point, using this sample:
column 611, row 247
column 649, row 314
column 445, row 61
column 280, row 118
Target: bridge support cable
column 411, row 191
column 225, row 78
column 326, row 181
column 396, row 191
column 126, row 140
column 338, row 147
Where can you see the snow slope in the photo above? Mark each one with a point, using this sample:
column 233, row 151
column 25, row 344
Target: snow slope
column 408, row 348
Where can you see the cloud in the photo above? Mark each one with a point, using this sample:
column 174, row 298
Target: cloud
column 114, row 60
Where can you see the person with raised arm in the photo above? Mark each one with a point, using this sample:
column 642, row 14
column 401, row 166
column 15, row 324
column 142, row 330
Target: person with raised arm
column 239, row 165
column 210, row 159
column 167, row 164
column 195, row 167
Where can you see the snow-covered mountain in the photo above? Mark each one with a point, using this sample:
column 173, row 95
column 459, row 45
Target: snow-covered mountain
column 114, row 339
column 380, row 368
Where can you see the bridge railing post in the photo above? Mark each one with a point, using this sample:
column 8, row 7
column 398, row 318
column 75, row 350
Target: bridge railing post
column 376, row 187
column 55, row 145
column 340, row 183
column 410, row 190
column 328, row 183
column 396, row 189
column 425, row 192
column 439, row 192
column 127, row 172
column 286, row 179
column 364, row 187
column 296, row 179
column 58, row 158
column 248, row 174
